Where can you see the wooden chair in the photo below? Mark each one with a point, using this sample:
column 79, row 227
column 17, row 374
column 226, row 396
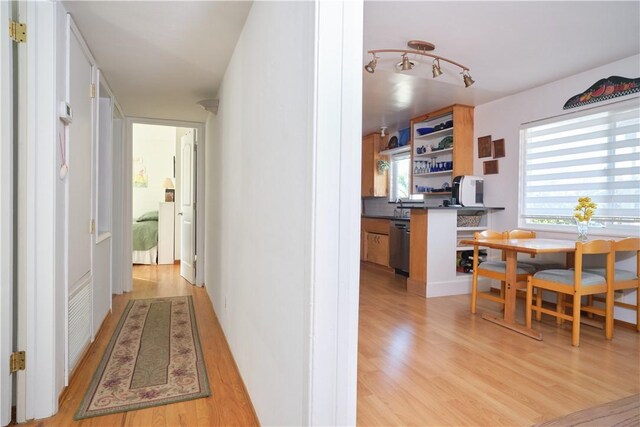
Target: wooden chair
column 497, row 269
column 624, row 279
column 577, row 283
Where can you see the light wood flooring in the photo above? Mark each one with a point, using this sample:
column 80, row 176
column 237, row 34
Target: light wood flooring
column 431, row 362
column 229, row 403
column 420, row 362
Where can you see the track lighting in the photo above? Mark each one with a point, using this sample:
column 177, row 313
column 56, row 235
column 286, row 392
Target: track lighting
column 468, row 81
column 405, row 64
column 371, row 66
column 436, row 68
column 418, row 47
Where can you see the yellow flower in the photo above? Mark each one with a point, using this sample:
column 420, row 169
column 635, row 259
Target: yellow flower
column 585, row 209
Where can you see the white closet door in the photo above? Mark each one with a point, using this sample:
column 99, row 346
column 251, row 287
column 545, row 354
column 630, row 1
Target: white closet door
column 79, row 159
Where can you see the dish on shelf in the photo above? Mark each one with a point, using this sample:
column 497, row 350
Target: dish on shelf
column 446, row 142
column 393, row 142
column 424, row 131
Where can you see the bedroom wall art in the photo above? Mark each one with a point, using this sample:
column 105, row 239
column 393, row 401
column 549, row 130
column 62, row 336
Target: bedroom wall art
column 140, row 178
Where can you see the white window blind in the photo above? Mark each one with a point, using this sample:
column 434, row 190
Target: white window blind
column 593, row 153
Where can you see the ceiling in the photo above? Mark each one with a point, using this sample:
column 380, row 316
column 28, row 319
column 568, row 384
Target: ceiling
column 160, row 58
column 508, row 46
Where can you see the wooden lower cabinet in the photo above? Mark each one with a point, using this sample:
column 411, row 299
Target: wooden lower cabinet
column 376, row 248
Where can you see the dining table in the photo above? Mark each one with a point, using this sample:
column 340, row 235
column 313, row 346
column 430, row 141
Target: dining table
column 511, row 248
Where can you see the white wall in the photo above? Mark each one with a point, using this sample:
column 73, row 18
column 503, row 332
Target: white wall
column 282, row 204
column 259, row 204
column 156, row 146
column 502, row 119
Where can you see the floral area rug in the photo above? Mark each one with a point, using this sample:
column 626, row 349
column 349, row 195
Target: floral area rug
column 154, row 358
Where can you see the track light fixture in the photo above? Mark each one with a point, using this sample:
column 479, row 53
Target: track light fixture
column 436, row 68
column 418, row 47
column 405, row 64
column 371, row 66
column 468, row 81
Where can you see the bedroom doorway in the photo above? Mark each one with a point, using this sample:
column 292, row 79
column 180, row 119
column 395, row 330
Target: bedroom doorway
column 164, row 190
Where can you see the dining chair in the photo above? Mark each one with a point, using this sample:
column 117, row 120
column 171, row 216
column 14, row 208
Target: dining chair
column 577, row 283
column 625, row 279
column 497, row 270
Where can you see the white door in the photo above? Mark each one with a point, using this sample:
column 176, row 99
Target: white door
column 79, row 159
column 6, row 216
column 187, row 211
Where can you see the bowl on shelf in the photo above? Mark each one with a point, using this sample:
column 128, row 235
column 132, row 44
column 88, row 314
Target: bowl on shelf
column 448, row 124
column 424, row 131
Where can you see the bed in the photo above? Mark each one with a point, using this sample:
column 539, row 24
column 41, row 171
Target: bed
column 145, row 238
column 153, row 236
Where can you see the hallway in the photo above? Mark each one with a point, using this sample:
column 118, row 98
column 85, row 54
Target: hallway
column 229, row 403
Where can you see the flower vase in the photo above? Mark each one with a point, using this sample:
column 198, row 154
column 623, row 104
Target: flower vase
column 583, row 230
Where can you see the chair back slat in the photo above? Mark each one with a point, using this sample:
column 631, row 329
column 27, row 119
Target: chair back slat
column 487, row 234
column 519, row 234
column 594, row 247
column 630, row 244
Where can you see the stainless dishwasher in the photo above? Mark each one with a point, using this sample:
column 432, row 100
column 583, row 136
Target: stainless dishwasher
column 399, row 246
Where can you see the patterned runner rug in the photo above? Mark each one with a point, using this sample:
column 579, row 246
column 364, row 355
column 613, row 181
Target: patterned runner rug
column 154, row 358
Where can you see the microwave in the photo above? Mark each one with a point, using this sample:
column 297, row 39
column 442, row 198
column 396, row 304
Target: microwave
column 468, row 190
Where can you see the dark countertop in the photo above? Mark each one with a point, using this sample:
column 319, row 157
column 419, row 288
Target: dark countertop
column 393, row 218
column 458, row 208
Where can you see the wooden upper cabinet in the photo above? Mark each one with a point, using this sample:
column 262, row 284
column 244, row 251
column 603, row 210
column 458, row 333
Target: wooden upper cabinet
column 374, row 183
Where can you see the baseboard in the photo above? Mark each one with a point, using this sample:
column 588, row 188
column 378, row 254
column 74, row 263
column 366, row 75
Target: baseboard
column 378, row 266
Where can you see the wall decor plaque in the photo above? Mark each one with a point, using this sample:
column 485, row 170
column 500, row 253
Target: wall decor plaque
column 490, row 167
column 484, row 146
column 604, row 89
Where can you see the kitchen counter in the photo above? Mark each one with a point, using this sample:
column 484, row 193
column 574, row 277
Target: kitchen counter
column 393, row 218
column 459, row 208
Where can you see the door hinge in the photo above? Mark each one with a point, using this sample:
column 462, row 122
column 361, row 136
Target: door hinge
column 92, row 226
column 17, row 361
column 92, row 90
column 18, row 31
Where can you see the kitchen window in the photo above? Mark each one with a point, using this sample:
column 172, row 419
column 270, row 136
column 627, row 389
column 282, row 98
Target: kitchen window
column 595, row 153
column 399, row 169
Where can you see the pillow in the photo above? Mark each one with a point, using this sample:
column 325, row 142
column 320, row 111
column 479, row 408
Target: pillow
column 148, row 216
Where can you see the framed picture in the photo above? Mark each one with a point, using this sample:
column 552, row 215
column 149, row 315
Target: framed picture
column 484, row 146
column 490, row 167
column 498, row 148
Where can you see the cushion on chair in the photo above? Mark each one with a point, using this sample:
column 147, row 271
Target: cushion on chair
column 501, row 267
column 566, row 277
column 540, row 266
column 620, row 274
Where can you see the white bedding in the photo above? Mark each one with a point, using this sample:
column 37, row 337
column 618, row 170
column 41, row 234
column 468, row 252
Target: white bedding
column 145, row 257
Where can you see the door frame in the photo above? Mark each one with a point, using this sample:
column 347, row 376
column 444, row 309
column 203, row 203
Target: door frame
column 127, row 271
column 38, row 331
column 6, row 216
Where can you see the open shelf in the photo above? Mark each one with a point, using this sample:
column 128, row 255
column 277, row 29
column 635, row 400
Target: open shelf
column 464, row 248
column 398, row 150
column 448, row 172
column 438, row 132
column 471, row 228
column 434, row 153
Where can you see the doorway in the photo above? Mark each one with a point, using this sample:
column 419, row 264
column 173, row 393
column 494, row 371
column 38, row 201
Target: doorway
column 166, row 185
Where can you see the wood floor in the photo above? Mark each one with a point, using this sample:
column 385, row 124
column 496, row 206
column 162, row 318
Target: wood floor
column 430, row 362
column 229, row 403
column 420, row 362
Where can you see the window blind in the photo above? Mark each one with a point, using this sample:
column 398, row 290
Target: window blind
column 593, row 153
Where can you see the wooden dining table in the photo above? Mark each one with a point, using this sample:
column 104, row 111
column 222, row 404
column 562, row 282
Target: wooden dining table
column 511, row 248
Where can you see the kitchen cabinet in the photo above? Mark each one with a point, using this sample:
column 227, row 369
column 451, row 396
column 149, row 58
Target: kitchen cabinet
column 440, row 155
column 374, row 235
column 374, row 182
column 376, row 248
